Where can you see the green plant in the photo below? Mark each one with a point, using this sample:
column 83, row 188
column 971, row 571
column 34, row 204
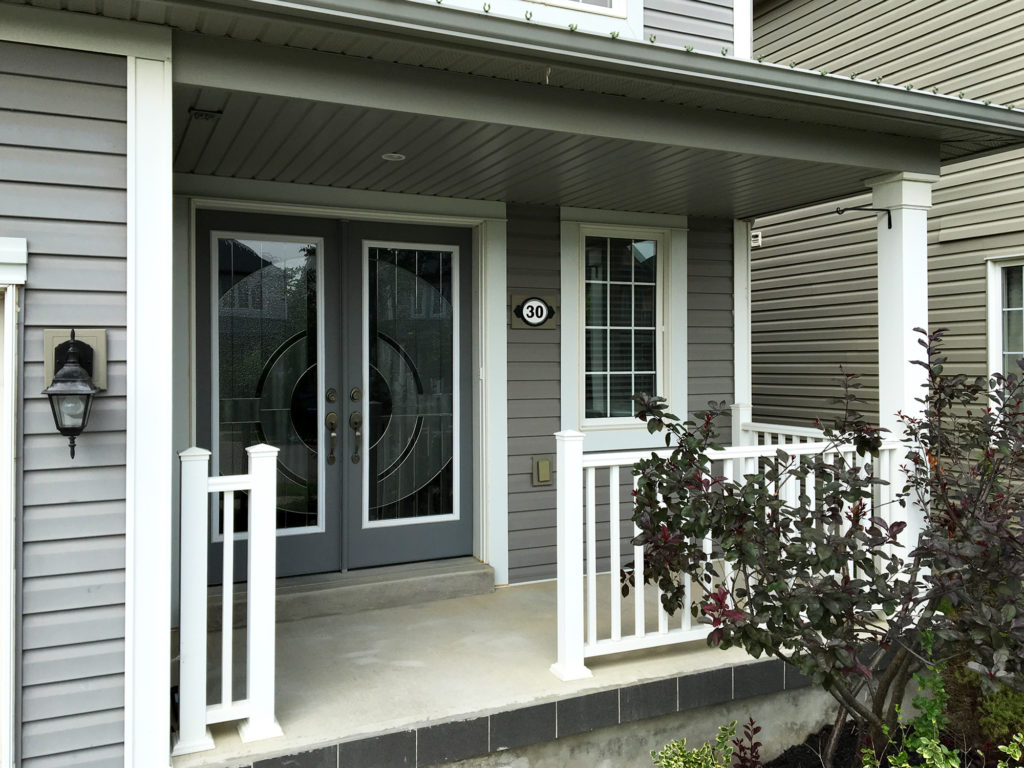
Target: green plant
column 830, row 587
column 1013, row 750
column 1001, row 713
column 676, row 755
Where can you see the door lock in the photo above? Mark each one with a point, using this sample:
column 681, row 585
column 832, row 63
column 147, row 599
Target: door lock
column 332, row 395
column 355, row 420
column 332, row 427
column 355, row 394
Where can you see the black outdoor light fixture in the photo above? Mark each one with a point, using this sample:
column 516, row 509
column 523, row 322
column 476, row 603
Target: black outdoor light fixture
column 71, row 392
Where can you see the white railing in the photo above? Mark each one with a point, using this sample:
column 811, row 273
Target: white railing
column 257, row 708
column 590, row 625
column 760, row 433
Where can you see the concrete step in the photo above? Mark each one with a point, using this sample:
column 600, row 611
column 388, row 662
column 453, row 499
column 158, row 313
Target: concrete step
column 333, row 594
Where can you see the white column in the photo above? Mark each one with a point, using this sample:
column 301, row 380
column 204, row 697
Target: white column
column 902, row 303
column 262, row 585
column 902, row 289
column 569, row 479
column 193, row 735
column 742, row 408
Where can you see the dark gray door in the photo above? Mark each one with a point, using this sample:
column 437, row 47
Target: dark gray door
column 413, row 447
column 345, row 346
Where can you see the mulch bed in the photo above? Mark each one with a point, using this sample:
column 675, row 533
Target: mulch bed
column 808, row 754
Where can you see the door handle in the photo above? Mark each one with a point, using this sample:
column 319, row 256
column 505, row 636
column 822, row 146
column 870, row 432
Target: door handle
column 355, row 420
column 332, row 427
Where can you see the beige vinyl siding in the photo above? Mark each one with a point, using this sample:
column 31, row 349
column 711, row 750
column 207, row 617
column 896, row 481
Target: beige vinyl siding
column 704, row 24
column 62, row 186
column 814, row 282
column 534, row 374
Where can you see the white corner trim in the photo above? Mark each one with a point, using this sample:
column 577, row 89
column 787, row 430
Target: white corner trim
column 743, row 29
column 8, row 508
column 149, row 439
column 13, row 260
column 673, row 363
column 83, row 31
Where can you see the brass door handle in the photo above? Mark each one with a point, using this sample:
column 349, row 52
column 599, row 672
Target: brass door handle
column 332, row 427
column 355, row 420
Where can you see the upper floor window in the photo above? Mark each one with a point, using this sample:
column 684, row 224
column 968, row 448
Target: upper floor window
column 619, row 18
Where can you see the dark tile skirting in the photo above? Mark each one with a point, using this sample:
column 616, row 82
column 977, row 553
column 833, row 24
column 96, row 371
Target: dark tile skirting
column 457, row 740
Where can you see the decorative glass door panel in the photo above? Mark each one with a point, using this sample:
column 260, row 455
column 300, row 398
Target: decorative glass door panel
column 266, row 381
column 411, row 374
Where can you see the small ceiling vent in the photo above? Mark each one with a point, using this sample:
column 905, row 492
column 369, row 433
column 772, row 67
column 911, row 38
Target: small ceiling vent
column 755, row 239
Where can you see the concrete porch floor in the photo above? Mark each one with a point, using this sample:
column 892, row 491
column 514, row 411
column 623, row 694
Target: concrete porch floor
column 374, row 672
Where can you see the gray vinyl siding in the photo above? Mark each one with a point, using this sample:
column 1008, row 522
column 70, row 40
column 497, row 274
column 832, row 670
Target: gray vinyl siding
column 534, row 372
column 534, row 387
column 814, row 283
column 62, row 186
column 709, row 316
column 704, row 24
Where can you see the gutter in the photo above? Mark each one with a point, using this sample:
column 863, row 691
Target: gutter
column 512, row 37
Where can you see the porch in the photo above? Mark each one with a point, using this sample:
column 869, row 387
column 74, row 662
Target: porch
column 438, row 682
column 379, row 682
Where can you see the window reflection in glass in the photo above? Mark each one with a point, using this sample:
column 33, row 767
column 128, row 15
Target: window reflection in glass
column 266, row 368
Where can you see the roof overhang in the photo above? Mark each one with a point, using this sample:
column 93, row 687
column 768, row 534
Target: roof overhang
column 572, row 119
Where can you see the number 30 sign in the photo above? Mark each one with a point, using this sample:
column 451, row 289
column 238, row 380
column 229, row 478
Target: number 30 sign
column 534, row 311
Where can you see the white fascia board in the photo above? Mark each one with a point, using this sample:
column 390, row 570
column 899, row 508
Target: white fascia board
column 83, row 32
column 13, row 260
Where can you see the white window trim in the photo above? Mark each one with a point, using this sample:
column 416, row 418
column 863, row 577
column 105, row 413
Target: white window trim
column 625, row 19
column 617, row 433
column 994, row 276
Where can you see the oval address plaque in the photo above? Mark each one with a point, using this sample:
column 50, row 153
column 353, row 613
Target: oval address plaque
column 534, row 311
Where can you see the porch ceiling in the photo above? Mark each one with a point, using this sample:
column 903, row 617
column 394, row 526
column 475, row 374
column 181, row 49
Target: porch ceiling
column 272, row 138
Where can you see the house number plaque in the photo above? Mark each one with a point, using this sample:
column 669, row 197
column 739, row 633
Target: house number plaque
column 532, row 312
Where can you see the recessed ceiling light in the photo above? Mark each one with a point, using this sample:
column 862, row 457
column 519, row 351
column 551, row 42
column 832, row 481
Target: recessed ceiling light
column 393, row 157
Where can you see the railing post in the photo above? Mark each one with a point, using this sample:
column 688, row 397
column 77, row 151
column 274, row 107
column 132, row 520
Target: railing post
column 569, row 479
column 742, row 413
column 260, row 627
column 193, row 735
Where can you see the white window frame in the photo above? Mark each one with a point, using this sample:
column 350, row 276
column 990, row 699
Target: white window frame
column 671, row 355
column 625, row 19
column 994, row 275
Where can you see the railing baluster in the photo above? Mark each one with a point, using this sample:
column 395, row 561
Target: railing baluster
column 615, row 544
column 639, row 617
column 228, row 595
column 591, row 528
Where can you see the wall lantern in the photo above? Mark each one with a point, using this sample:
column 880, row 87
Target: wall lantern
column 71, row 393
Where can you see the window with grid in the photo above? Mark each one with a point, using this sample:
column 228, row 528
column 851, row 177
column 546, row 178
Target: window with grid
column 621, row 311
column 1013, row 318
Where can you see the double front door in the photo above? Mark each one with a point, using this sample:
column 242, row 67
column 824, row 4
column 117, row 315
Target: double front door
column 342, row 344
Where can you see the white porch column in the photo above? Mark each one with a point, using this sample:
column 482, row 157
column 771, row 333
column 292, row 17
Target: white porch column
column 743, row 398
column 902, row 289
column 902, row 301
